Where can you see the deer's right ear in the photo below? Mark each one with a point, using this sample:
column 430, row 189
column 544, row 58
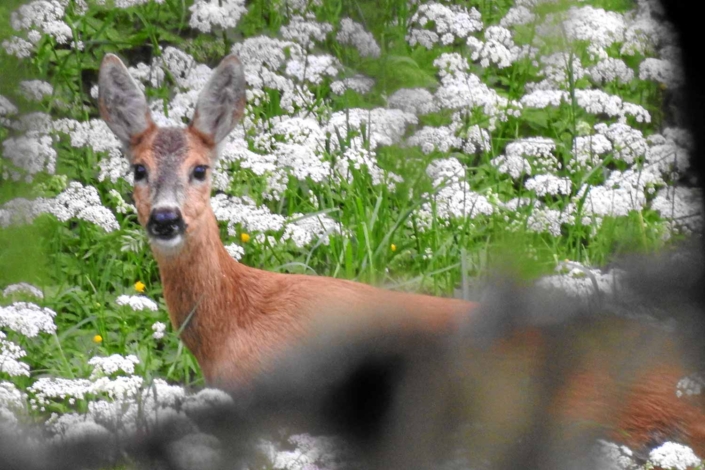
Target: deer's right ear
column 122, row 104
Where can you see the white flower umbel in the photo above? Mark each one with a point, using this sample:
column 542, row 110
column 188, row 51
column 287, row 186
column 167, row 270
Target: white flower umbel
column 35, row 90
column 383, row 126
column 18, row 47
column 610, row 456
column 449, row 24
column 313, row 68
column 306, row 30
column 518, row 15
column 418, row 101
column 588, row 152
column 620, row 194
column 512, row 165
column 430, row 139
column 628, row 143
column 113, row 363
column 592, row 101
column 31, row 154
column 303, row 451
column 667, row 154
column 6, row 108
column 680, row 205
column 549, row 184
column 235, row 251
column 305, row 229
column 611, row 70
column 12, row 403
column 357, row 82
column 128, row 3
column 158, row 328
column 23, row 288
column 661, row 71
column 546, row 220
column 363, row 159
column 209, row 14
column 593, row 25
column 244, row 212
column 137, row 302
column 498, row 49
column 27, row 319
column 354, row 34
column 9, row 355
column 674, row 456
column 43, row 16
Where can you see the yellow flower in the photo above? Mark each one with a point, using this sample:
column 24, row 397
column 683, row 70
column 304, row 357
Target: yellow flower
column 393, row 247
column 244, row 237
column 139, row 286
column 97, row 339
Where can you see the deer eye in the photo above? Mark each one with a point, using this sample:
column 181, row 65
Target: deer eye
column 140, row 172
column 200, row 172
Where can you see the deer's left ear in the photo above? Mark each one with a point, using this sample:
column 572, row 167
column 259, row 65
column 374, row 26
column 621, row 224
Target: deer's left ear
column 222, row 102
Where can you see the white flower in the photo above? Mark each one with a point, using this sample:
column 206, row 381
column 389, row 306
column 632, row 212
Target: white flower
column 137, row 302
column 662, row 71
column 35, row 90
column 512, row 165
column 42, row 15
column 113, row 363
column 359, row 158
column 594, row 25
column 435, row 138
column 243, row 211
column 417, row 101
column 6, row 108
column 354, row 34
column 31, row 153
column 610, row 456
column 580, row 281
column 235, row 251
column 313, row 68
column 449, row 24
column 357, row 82
column 587, row 151
column 610, row 70
column 628, row 143
column 690, row 385
column 18, row 47
column 159, row 328
column 28, row 319
column 498, row 48
column 543, row 219
column 12, row 402
column 304, row 229
column 206, row 400
column 681, row 205
column 674, row 456
column 549, row 184
column 23, row 288
column 9, row 355
column 306, row 31
column 517, row 15
column 224, row 14
column 383, row 126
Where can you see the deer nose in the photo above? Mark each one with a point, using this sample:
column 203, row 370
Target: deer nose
column 166, row 223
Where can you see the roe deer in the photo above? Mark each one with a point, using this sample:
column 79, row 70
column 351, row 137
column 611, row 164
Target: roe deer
column 242, row 317
column 242, row 320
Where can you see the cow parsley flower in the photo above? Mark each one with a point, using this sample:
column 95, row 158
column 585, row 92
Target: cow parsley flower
column 305, row 31
column 682, row 206
column 418, row 101
column 30, row 153
column 9, row 355
column 43, row 16
column 674, row 456
column 12, row 402
column 113, row 363
column 518, row 15
column 581, row 281
column 661, row 71
column 223, row 14
column 18, row 47
column 35, row 90
column 235, row 251
column 628, row 143
column 546, row 220
column 594, row 25
column 243, row 211
column 357, row 82
column 449, row 24
column 359, row 159
column 587, row 152
column 27, row 319
column 313, row 68
column 512, row 165
column 137, row 302
column 6, row 108
column 383, row 126
column 498, row 49
column 430, row 139
column 667, row 155
column 611, row 70
column 22, row 288
column 304, row 229
column 549, row 184
column 354, row 34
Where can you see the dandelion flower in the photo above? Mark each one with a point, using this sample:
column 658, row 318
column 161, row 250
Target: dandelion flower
column 97, row 339
column 244, row 237
column 139, row 286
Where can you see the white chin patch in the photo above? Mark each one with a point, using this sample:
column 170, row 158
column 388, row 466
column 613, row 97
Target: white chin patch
column 167, row 245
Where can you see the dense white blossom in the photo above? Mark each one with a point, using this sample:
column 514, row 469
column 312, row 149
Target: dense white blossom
column 43, row 16
column 30, row 153
column 23, row 288
column 430, row 139
column 303, row 451
column 628, row 143
column 681, row 205
column 587, row 152
column 580, row 281
column 382, row 126
column 158, row 328
column 243, row 211
column 137, row 302
column 518, row 15
column 27, row 319
column 512, row 165
column 35, row 90
column 12, row 403
column 304, row 229
column 18, row 47
column 305, row 30
column 9, row 355
column 111, row 364
column 547, row 220
column 449, row 24
column 357, row 82
column 498, row 49
column 223, row 14
column 549, row 184
column 667, row 154
column 235, row 251
column 611, row 70
column 417, row 101
column 610, row 456
column 662, row 71
column 354, row 34
column 592, row 101
column 674, row 456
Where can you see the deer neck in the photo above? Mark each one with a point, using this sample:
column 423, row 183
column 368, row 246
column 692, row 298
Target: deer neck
column 201, row 286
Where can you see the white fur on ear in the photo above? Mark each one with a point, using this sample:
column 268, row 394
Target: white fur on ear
column 222, row 102
column 122, row 104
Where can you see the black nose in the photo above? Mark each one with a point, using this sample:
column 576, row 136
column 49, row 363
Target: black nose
column 166, row 223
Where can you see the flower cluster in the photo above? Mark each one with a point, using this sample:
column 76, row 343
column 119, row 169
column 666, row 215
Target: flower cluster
column 450, row 23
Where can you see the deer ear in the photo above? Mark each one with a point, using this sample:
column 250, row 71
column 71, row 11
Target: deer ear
column 222, row 102
column 122, row 104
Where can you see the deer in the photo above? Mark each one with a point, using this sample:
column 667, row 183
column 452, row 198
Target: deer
column 241, row 317
column 238, row 320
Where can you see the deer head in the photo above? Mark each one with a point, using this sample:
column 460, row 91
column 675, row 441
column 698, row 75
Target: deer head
column 172, row 166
